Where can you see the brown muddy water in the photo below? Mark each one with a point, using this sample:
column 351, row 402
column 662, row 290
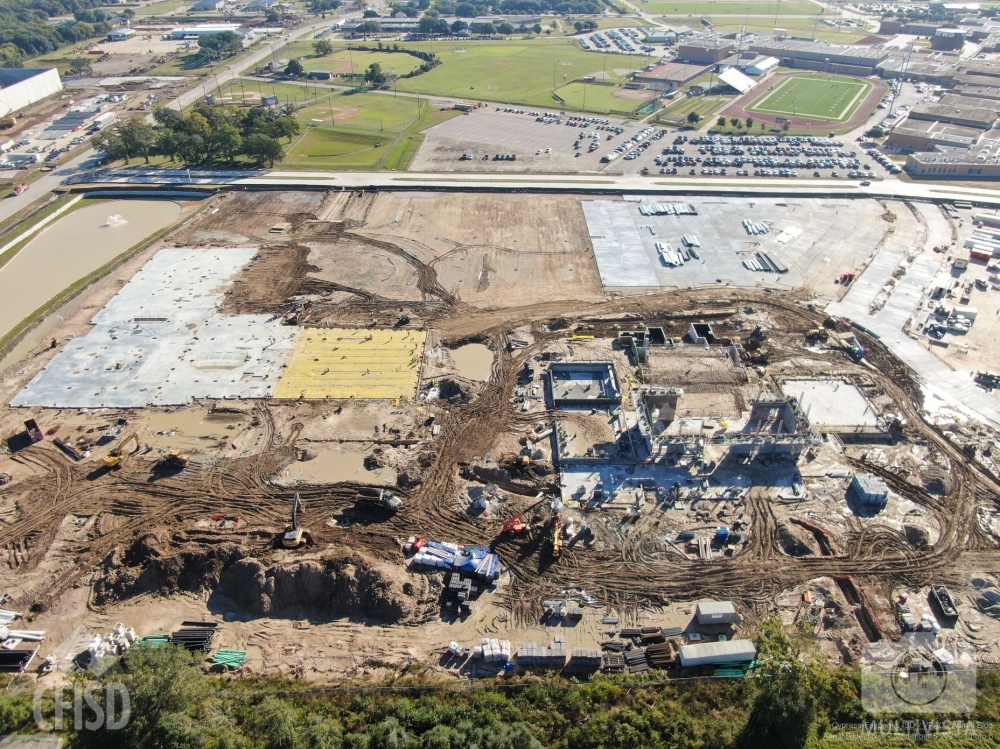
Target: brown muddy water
column 72, row 247
column 473, row 361
column 333, row 464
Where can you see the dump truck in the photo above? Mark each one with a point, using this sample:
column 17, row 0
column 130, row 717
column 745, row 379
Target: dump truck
column 379, row 499
column 34, row 431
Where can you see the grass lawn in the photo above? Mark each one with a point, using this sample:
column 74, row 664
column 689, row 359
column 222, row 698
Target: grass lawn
column 340, row 62
column 726, row 7
column 362, row 131
column 596, row 98
column 516, row 71
column 801, row 27
column 161, row 8
column 63, row 58
column 251, row 90
column 706, row 106
column 818, row 96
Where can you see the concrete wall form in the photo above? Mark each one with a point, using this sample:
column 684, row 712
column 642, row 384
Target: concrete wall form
column 25, row 86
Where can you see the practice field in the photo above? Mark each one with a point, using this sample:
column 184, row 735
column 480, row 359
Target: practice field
column 728, row 7
column 362, row 131
column 817, row 96
column 604, row 99
column 346, row 61
column 349, row 363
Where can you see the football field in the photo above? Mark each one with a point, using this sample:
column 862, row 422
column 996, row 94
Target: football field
column 818, row 96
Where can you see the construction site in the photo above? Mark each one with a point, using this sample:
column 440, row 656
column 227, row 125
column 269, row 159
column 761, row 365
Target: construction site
column 335, row 432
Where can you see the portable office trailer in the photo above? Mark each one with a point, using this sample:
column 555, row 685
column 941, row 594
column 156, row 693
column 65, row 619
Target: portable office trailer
column 716, row 653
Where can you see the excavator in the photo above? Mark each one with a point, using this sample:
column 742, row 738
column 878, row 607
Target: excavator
column 294, row 536
column 171, row 461
column 516, row 525
column 555, row 527
column 117, row 457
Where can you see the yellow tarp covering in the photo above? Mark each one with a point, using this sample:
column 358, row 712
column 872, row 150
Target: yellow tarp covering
column 348, row 363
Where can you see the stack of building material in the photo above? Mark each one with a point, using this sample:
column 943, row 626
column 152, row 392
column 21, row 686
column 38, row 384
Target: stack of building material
column 194, row 636
column 660, row 656
column 628, row 633
column 672, row 631
column 636, row 660
column 230, row 658
column 436, row 554
column 613, row 664
column 651, row 635
column 16, row 661
column 536, row 654
column 585, row 658
column 615, row 646
column 6, row 617
column 477, row 560
column 154, row 641
column 496, row 651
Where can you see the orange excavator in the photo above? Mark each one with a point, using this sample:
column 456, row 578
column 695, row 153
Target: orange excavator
column 516, row 525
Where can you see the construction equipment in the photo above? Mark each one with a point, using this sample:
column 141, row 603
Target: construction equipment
column 118, row 457
column 517, row 524
column 34, row 431
column 171, row 461
column 294, row 535
column 23, row 187
column 555, row 527
column 818, row 334
column 379, row 499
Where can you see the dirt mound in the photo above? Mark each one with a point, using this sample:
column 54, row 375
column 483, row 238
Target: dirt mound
column 336, row 587
column 329, row 585
column 796, row 543
column 987, row 598
column 937, row 480
column 453, row 391
column 918, row 537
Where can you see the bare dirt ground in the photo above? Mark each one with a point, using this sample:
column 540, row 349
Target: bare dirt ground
column 82, row 546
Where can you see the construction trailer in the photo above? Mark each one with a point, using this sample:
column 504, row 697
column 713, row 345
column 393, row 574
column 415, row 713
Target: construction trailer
column 716, row 653
column 716, row 612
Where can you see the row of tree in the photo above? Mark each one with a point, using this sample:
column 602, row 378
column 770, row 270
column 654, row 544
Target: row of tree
column 474, row 8
column 205, row 135
column 790, row 700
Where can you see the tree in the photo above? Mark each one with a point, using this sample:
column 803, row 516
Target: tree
column 735, row 122
column 284, row 127
column 590, row 25
column 721, row 122
column 368, row 27
column 221, row 45
column 163, row 686
column 274, row 16
column 138, row 137
column 459, row 26
column 294, row 68
column 578, row 26
column 537, row 28
column 319, row 6
column 762, row 127
column 369, row 13
column 466, row 10
column 430, row 25
column 225, row 141
column 167, row 144
column 505, row 28
column 374, row 76
column 749, row 123
column 876, row 131
column 488, row 29
column 112, row 144
column 322, row 48
column 785, row 125
column 693, row 117
column 263, row 149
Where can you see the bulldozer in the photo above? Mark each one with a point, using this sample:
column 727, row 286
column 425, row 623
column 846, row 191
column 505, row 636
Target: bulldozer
column 171, row 461
column 555, row 527
column 117, row 457
column 818, row 334
column 294, row 536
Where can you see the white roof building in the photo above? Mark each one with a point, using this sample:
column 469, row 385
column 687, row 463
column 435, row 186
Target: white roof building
column 717, row 653
column 735, row 79
column 761, row 65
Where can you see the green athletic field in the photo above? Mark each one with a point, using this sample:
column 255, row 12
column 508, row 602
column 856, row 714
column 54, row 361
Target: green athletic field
column 728, row 7
column 816, row 96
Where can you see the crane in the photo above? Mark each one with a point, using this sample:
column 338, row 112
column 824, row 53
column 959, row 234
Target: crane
column 117, row 457
column 293, row 537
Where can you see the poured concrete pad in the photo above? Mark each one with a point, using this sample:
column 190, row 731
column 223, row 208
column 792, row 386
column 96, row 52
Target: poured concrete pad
column 353, row 363
column 160, row 342
column 831, row 403
column 621, row 257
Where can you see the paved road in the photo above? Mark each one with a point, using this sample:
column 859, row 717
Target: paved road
column 521, row 181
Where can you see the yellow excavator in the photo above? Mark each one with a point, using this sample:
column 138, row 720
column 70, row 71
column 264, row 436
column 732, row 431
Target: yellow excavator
column 294, row 535
column 118, row 457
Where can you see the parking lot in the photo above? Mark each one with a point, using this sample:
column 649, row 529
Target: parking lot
column 564, row 142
